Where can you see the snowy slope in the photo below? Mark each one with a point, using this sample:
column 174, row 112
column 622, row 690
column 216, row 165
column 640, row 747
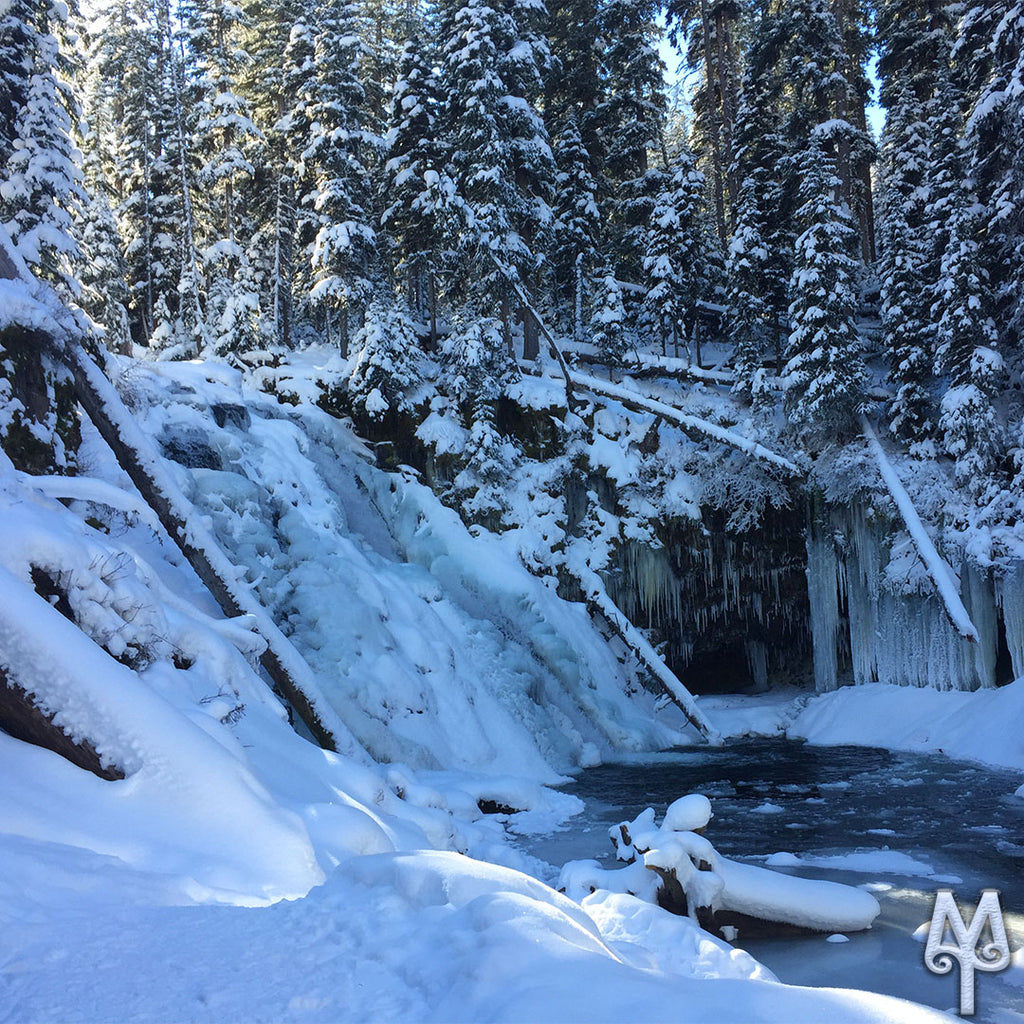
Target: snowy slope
column 239, row 872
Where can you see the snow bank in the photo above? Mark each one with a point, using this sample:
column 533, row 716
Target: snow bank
column 406, row 937
column 971, row 726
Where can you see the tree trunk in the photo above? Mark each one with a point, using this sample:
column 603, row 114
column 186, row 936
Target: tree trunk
column 23, row 719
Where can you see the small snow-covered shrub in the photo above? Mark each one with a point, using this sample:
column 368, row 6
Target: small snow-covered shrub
column 383, row 361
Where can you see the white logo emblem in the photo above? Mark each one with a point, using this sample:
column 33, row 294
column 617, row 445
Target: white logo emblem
column 992, row 956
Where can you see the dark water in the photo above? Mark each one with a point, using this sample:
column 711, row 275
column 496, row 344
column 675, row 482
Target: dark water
column 958, row 820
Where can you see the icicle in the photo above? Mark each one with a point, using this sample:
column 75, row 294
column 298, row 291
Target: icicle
column 757, row 660
column 824, row 597
column 979, row 596
column 1010, row 595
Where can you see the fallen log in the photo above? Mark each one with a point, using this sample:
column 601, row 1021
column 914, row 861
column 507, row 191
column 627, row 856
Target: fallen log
column 691, row 424
column 646, row 364
column 936, row 566
column 23, row 719
column 599, row 604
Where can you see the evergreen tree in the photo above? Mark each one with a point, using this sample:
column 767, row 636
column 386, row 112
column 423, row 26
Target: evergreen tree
column 678, row 263
column 711, row 29
column 343, row 253
column 609, row 331
column 762, row 246
column 914, row 46
column 500, row 156
column 421, row 209
column 383, row 366
column 100, row 267
column 632, row 116
column 40, row 182
column 906, row 328
column 824, row 374
column 228, row 141
column 967, row 354
column 748, row 273
column 577, row 228
column 989, row 59
column 476, row 373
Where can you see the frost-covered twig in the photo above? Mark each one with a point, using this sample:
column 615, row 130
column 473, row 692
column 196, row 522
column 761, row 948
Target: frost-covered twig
column 641, row 403
column 942, row 575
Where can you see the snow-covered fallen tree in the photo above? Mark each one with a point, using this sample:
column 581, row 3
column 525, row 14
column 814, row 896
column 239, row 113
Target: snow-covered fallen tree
column 676, row 866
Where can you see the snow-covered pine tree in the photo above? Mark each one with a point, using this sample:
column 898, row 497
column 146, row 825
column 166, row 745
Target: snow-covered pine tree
column 128, row 53
column 632, row 116
column 678, row 263
column 574, row 87
column 761, row 267
column 188, row 334
column 577, row 228
column 421, row 209
column 915, row 42
column 609, row 331
column 229, row 144
column 476, row 373
column 989, row 61
column 289, row 222
column 824, row 373
column 967, row 354
column 100, row 267
column 344, row 250
column 500, row 156
column 748, row 275
column 711, row 29
column 40, row 180
column 382, row 360
column 905, row 325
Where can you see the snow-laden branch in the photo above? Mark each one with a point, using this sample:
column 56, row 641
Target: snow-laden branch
column 942, row 575
column 641, row 403
column 647, row 364
column 99, row 492
column 598, row 601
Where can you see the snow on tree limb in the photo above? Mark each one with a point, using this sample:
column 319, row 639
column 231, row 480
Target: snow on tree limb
column 597, row 600
column 641, row 403
column 942, row 575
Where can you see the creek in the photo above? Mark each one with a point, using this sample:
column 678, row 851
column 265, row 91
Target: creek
column 902, row 825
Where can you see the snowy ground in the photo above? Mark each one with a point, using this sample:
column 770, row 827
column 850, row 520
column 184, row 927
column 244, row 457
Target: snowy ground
column 968, row 726
column 240, row 873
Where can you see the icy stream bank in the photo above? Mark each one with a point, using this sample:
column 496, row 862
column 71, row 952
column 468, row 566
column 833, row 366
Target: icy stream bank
column 900, row 824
